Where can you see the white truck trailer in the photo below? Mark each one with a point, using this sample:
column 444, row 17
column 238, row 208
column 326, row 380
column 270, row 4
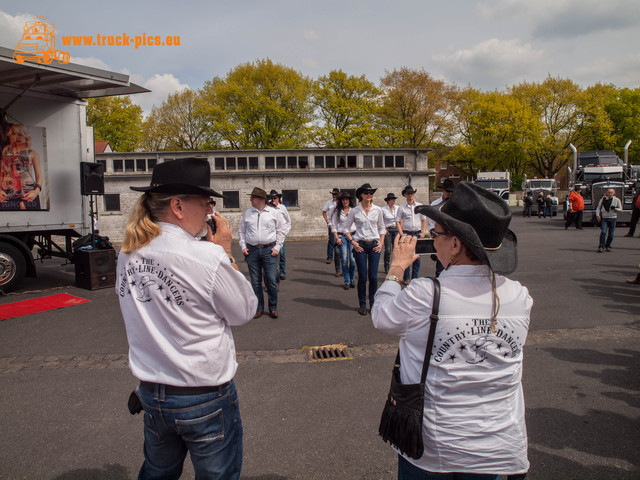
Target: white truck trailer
column 43, row 139
column 498, row 182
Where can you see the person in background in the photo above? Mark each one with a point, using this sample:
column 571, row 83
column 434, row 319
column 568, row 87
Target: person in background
column 275, row 198
column 367, row 242
column 528, row 202
column 474, row 412
column 540, row 201
column 635, row 212
column 607, row 213
column 576, row 208
column 261, row 234
column 179, row 297
column 411, row 223
column 635, row 281
column 332, row 252
column 338, row 222
column 447, row 189
column 548, row 207
column 389, row 215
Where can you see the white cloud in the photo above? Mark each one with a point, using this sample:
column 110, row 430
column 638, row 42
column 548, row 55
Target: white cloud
column 90, row 62
column 490, row 64
column 11, row 28
column 161, row 85
column 623, row 71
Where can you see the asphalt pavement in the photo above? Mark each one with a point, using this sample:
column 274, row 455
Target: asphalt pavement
column 65, row 381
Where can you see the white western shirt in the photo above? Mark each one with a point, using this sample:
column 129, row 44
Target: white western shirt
column 338, row 221
column 474, row 407
column 261, row 228
column 369, row 227
column 286, row 219
column 430, row 222
column 389, row 216
column 411, row 221
column 179, row 296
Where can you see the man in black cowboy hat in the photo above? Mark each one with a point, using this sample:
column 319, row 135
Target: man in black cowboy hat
column 447, row 187
column 261, row 235
column 332, row 252
column 411, row 223
column 177, row 290
column 274, row 202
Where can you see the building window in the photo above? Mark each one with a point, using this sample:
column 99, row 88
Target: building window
column 388, row 161
column 303, row 162
column 118, row 165
column 218, row 163
column 292, row 162
column 341, row 161
column 443, row 166
column 231, row 163
column 318, row 161
column 281, row 163
column 141, row 164
column 253, row 163
column 367, row 161
column 151, row 163
column 111, row 202
column 330, row 161
column 290, row 198
column 399, row 161
column 378, row 161
column 242, row 163
column 269, row 163
column 129, row 165
column 231, row 199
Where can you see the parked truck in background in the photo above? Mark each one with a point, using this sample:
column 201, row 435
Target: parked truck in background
column 45, row 103
column 548, row 186
column 498, row 182
column 597, row 171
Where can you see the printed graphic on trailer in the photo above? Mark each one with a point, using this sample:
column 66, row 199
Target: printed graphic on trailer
column 38, row 43
column 23, row 168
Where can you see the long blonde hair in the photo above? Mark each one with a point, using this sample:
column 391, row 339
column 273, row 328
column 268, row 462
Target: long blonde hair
column 142, row 225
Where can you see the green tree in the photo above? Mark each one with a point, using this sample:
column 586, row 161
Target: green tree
column 346, row 106
column 417, row 109
column 178, row 124
column 557, row 103
column 116, row 119
column 624, row 112
column 260, row 105
column 598, row 130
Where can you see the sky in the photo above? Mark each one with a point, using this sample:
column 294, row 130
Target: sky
column 486, row 44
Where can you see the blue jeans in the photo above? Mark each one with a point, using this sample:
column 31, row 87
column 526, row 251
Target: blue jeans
column 333, row 252
column 607, row 227
column 414, row 269
column 283, row 261
column 348, row 262
column 388, row 246
column 367, row 262
column 408, row 471
column 208, row 426
column 260, row 259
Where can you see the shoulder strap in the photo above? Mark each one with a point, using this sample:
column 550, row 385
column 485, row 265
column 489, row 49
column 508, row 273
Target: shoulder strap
column 433, row 318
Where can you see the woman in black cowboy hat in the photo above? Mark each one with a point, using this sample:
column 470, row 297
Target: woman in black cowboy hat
column 367, row 242
column 474, row 419
column 338, row 220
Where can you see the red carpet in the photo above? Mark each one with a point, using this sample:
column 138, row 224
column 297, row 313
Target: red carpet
column 37, row 305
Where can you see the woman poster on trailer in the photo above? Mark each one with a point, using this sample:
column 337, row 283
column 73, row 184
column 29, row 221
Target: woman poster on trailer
column 23, row 168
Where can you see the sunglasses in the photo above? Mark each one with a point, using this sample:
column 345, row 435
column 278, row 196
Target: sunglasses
column 435, row 233
column 367, row 192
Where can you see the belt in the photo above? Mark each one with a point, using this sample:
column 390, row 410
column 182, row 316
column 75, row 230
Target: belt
column 173, row 390
column 411, row 233
column 363, row 242
column 262, row 245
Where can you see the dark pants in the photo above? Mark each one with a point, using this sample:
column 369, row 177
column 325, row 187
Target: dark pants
column 635, row 216
column 574, row 216
column 414, row 269
column 527, row 211
column 367, row 263
column 388, row 246
column 259, row 260
column 408, row 471
column 333, row 252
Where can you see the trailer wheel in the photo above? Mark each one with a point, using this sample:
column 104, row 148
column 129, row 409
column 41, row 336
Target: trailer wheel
column 12, row 267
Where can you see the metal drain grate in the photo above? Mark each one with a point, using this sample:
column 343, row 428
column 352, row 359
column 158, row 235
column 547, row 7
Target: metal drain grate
column 326, row 353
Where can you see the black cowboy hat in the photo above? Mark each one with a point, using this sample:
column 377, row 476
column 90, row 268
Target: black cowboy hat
column 480, row 219
column 334, row 191
column 345, row 194
column 408, row 189
column 448, row 185
column 184, row 176
column 362, row 188
column 390, row 196
column 274, row 193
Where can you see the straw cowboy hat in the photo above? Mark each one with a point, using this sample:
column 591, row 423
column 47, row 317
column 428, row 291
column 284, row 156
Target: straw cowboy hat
column 184, row 176
column 480, row 219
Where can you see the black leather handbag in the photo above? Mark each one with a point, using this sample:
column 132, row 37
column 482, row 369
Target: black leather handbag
column 401, row 422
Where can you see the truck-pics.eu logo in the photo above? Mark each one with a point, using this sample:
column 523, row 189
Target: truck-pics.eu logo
column 38, row 43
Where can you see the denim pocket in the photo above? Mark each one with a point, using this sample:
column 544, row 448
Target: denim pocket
column 205, row 433
column 150, row 430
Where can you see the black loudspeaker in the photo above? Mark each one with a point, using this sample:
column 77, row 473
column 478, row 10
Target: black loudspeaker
column 95, row 269
column 91, row 178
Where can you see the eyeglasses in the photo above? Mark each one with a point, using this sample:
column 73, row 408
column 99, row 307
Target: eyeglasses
column 435, row 233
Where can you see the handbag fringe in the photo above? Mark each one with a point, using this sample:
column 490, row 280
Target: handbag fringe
column 402, row 428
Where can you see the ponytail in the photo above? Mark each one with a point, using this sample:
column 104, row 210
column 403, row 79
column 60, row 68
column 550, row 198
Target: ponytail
column 142, row 225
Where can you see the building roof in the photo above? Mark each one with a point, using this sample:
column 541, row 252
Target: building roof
column 69, row 80
column 102, row 146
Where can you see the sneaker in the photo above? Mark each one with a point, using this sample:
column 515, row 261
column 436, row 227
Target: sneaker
column 608, row 249
column 352, row 285
column 628, row 235
column 362, row 310
column 635, row 281
column 600, row 249
column 328, row 261
column 283, row 277
column 346, row 286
